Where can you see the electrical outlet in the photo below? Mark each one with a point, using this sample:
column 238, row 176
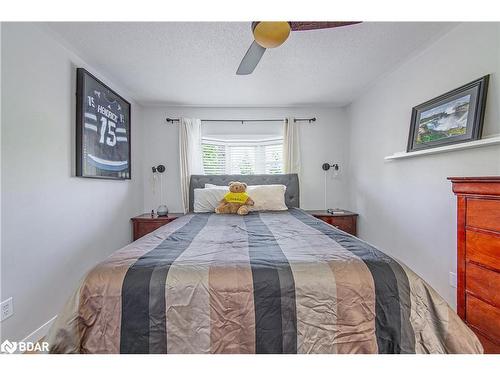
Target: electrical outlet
column 453, row 279
column 7, row 309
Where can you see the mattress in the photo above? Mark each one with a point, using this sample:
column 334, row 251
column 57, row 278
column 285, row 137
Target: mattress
column 268, row 282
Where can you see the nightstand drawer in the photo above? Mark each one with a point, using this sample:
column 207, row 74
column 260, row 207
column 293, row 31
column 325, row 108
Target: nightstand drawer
column 343, row 220
column 141, row 229
column 145, row 224
column 342, row 223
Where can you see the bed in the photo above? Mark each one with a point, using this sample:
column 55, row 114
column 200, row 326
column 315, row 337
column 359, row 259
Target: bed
column 268, row 282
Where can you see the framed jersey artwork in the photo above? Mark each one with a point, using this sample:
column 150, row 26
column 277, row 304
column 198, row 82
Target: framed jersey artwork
column 102, row 130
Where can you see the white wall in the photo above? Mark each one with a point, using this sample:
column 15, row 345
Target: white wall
column 323, row 141
column 54, row 226
column 407, row 207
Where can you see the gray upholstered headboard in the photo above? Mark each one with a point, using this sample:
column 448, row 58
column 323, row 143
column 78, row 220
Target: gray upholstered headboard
column 291, row 181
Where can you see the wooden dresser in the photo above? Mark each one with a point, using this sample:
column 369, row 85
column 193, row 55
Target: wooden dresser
column 345, row 221
column 478, row 256
column 144, row 224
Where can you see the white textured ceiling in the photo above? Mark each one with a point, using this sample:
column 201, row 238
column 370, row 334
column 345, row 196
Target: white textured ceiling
column 194, row 63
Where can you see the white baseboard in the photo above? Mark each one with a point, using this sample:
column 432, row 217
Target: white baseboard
column 40, row 332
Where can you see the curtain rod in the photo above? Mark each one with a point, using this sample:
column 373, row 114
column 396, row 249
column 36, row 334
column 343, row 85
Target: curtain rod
column 310, row 120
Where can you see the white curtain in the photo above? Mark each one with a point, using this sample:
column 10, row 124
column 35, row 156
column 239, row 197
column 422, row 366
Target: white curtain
column 291, row 146
column 190, row 154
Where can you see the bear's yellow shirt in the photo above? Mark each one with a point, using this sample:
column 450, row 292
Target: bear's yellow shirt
column 236, row 197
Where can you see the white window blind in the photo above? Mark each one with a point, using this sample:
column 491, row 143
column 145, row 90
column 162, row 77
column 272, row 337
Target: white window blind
column 242, row 157
column 214, row 158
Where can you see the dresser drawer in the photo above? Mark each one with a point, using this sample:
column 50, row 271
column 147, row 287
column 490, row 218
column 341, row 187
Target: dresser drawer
column 483, row 248
column 483, row 213
column 484, row 317
column 483, row 283
column 489, row 346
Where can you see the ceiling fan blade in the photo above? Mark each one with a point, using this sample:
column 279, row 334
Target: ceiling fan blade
column 251, row 59
column 307, row 25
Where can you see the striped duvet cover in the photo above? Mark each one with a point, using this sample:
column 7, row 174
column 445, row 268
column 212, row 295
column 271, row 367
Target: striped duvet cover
column 269, row 282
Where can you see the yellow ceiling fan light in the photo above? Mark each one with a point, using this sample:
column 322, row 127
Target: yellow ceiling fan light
column 271, row 34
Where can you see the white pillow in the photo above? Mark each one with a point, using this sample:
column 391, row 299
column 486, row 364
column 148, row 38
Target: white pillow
column 206, row 200
column 212, row 186
column 266, row 197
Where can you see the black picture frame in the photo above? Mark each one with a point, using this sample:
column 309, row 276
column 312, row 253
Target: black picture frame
column 94, row 135
column 468, row 100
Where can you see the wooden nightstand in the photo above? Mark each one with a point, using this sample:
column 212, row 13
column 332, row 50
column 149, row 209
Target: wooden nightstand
column 144, row 224
column 345, row 221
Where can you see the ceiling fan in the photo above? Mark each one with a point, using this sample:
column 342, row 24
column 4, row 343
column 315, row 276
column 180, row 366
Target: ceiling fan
column 274, row 34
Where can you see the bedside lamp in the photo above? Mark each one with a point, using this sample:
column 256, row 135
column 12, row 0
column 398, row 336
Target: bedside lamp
column 326, row 167
column 162, row 209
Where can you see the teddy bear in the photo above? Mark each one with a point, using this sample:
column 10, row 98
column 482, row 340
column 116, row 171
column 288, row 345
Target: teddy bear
column 236, row 201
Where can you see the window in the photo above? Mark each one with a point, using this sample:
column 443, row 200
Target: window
column 242, row 157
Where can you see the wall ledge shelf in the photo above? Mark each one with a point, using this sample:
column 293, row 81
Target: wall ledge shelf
column 489, row 141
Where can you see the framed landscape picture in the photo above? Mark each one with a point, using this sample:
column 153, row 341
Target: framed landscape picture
column 102, row 130
column 454, row 117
